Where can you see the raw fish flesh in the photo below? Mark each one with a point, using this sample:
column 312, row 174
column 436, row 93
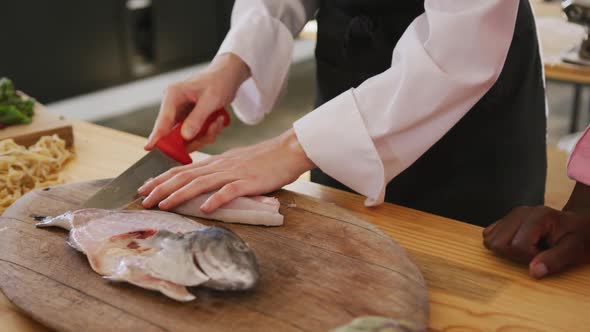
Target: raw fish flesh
column 258, row 210
column 159, row 250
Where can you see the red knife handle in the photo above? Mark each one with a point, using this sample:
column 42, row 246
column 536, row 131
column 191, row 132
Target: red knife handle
column 174, row 145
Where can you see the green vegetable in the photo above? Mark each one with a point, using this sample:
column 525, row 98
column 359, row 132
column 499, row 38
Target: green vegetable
column 14, row 109
column 6, row 88
column 10, row 115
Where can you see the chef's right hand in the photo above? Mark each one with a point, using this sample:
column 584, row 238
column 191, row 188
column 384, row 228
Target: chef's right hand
column 202, row 94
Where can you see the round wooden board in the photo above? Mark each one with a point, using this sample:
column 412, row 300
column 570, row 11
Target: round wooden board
column 320, row 270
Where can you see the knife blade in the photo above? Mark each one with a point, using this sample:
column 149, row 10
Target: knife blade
column 170, row 151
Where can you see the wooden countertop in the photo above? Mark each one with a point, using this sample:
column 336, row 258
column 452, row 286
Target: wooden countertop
column 469, row 288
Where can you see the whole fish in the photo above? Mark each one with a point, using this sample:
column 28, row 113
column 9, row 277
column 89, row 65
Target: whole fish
column 159, row 250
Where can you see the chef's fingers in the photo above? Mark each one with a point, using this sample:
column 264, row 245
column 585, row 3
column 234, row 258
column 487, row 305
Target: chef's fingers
column 214, row 130
column 226, row 194
column 152, row 183
column 200, row 185
column 219, row 128
column 500, row 237
column 208, row 102
column 530, row 238
column 175, row 182
column 166, row 116
column 568, row 251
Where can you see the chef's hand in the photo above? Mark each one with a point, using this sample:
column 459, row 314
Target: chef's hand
column 200, row 95
column 548, row 240
column 251, row 170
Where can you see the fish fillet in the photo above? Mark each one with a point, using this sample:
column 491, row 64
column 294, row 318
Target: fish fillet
column 257, row 210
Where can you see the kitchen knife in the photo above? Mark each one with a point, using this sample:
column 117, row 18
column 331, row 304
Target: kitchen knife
column 170, row 151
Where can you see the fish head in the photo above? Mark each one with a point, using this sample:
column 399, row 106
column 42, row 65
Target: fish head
column 225, row 258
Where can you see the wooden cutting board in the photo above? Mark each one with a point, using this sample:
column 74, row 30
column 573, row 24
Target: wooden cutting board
column 320, row 270
column 44, row 123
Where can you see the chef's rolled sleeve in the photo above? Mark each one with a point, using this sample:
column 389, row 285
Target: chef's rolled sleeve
column 265, row 45
column 335, row 138
column 446, row 60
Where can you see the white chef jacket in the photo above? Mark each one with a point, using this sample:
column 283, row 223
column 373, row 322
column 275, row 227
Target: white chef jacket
column 446, row 60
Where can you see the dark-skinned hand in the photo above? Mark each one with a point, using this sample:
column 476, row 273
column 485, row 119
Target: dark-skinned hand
column 549, row 240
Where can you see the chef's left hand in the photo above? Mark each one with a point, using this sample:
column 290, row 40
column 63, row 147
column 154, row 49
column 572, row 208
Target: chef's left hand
column 251, row 170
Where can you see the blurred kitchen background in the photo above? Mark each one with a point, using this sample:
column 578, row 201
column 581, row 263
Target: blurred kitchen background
column 109, row 61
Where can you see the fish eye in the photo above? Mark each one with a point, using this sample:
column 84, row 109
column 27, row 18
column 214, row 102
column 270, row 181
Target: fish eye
column 239, row 246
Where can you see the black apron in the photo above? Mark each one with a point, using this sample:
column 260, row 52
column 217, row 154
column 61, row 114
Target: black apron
column 492, row 160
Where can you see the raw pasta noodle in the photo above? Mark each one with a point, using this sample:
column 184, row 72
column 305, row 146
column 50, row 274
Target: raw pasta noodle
column 22, row 169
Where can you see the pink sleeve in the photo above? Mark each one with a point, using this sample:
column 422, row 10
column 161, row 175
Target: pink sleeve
column 578, row 167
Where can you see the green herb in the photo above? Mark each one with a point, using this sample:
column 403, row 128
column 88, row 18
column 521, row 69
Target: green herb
column 10, row 115
column 14, row 109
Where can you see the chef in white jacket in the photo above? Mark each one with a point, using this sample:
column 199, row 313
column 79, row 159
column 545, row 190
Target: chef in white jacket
column 436, row 105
